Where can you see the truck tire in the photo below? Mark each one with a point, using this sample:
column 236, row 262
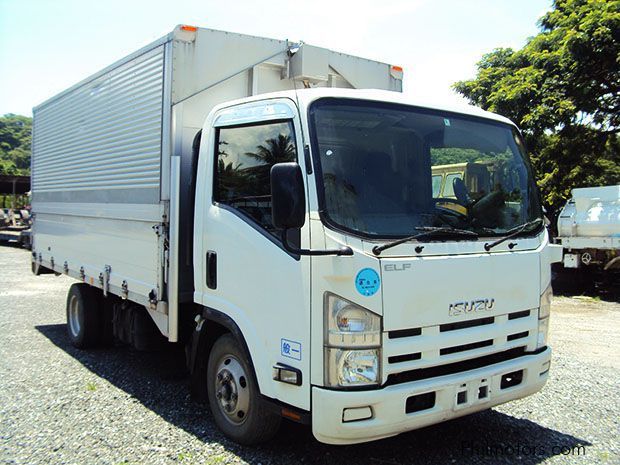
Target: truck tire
column 83, row 316
column 234, row 396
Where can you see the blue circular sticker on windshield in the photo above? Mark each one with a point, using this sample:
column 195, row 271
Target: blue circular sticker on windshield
column 367, row 282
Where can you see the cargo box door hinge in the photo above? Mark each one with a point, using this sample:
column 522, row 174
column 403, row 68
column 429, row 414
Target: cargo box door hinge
column 104, row 279
column 162, row 238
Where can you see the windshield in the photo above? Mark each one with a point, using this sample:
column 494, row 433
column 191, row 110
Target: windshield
column 387, row 169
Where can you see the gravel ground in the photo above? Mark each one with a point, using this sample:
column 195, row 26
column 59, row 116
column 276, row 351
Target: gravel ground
column 118, row 406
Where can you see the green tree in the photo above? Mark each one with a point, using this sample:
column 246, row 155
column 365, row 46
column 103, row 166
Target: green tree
column 563, row 89
column 15, row 140
column 274, row 150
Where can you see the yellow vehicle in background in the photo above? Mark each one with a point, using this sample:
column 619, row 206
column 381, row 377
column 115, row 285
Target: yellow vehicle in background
column 475, row 176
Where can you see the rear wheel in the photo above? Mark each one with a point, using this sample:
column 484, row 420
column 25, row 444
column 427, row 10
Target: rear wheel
column 83, row 316
column 234, row 397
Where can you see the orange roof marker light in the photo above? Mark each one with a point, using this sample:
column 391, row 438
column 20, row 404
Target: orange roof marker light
column 396, row 72
column 187, row 28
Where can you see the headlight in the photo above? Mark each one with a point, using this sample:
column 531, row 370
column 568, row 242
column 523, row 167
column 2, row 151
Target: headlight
column 545, row 303
column 346, row 368
column 349, row 325
column 352, row 336
column 543, row 332
column 544, row 310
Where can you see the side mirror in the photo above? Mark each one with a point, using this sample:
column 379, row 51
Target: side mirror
column 288, row 198
column 288, row 206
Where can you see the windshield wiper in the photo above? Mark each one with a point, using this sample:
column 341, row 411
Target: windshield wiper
column 513, row 233
column 428, row 232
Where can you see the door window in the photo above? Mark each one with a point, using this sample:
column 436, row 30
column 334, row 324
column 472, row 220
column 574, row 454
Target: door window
column 245, row 155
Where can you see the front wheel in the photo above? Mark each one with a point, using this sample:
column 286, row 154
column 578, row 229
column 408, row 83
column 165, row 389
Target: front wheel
column 234, row 396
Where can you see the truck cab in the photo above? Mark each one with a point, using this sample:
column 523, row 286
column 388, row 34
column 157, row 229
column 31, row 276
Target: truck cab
column 366, row 305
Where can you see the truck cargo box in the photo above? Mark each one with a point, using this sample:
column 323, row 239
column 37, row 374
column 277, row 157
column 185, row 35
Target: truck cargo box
column 113, row 158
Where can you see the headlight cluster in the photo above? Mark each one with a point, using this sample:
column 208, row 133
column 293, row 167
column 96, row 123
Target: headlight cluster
column 352, row 336
column 544, row 310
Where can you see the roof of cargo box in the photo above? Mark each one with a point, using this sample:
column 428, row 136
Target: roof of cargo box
column 308, row 63
column 306, row 96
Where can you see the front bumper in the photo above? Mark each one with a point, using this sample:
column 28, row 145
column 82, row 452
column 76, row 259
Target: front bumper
column 388, row 405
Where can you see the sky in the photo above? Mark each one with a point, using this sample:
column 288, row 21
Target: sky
column 49, row 45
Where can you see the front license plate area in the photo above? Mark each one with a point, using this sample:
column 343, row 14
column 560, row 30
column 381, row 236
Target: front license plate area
column 473, row 392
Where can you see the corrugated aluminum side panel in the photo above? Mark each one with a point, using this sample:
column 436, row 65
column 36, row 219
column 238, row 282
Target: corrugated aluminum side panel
column 101, row 142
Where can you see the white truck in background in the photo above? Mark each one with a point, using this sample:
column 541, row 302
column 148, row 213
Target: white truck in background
column 589, row 231
column 257, row 201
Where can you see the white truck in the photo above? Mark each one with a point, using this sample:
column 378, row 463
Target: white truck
column 270, row 206
column 589, row 232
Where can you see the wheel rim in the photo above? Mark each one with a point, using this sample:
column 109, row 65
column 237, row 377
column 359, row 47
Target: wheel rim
column 232, row 392
column 74, row 316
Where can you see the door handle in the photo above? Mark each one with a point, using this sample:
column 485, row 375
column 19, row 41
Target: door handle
column 211, row 269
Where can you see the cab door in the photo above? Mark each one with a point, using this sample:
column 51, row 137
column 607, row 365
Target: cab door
column 246, row 273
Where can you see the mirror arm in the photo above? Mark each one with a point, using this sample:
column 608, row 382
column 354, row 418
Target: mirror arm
column 342, row 251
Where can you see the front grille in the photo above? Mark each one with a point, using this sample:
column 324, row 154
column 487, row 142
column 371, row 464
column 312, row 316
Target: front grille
column 404, row 333
column 443, row 328
column 466, row 324
column 464, row 347
column 448, row 344
column 516, row 315
column 451, row 368
column 404, row 358
column 512, row 337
